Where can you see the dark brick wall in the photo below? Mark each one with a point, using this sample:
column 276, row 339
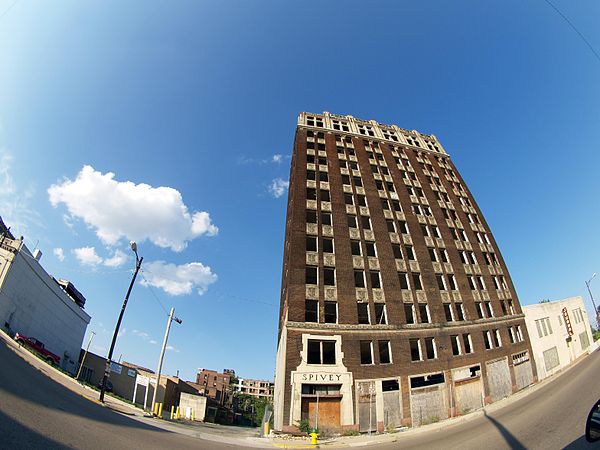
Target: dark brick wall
column 293, row 282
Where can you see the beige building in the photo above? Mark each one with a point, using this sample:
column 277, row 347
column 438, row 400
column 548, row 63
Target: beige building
column 560, row 333
column 257, row 388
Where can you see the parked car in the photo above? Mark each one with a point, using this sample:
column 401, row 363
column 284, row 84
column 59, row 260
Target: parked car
column 38, row 347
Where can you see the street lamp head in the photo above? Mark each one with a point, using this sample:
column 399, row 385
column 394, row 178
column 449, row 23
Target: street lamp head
column 178, row 320
column 133, row 246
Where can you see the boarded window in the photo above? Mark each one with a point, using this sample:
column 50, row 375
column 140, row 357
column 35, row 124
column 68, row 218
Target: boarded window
column 311, row 275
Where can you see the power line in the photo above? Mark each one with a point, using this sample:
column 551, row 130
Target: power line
column 574, row 28
column 153, row 293
column 8, row 9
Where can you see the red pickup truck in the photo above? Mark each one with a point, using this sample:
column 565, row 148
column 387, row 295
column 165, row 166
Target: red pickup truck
column 38, row 347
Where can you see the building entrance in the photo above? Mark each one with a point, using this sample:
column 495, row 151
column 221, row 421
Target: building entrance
column 321, row 406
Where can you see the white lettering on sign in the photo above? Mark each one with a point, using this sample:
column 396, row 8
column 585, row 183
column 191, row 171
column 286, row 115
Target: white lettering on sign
column 142, row 381
column 331, row 377
column 116, row 368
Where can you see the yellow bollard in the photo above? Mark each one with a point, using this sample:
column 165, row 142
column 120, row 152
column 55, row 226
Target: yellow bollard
column 177, row 416
column 193, row 415
column 154, row 409
column 313, row 438
column 172, row 412
column 266, row 429
column 160, row 407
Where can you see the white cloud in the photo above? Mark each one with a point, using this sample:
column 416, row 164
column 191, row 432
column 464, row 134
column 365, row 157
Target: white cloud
column 59, row 253
column 144, row 336
column 178, row 280
column 87, row 256
column 118, row 259
column 277, row 158
column 123, row 209
column 15, row 200
column 172, row 349
column 278, row 187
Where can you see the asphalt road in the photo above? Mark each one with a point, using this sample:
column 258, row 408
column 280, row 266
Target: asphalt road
column 38, row 413
column 553, row 417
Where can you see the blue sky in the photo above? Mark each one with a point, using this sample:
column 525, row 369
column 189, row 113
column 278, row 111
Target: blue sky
column 202, row 98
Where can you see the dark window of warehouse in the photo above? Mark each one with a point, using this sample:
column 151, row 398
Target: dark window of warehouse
column 409, row 312
column 366, row 352
column 363, row 313
column 380, row 315
column 359, row 278
column 311, row 312
column 311, row 243
column 384, row 352
column 329, row 276
column 311, row 275
column 330, row 312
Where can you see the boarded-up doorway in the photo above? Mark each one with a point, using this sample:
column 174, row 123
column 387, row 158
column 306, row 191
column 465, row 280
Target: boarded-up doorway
column 498, row 377
column 322, row 413
column 392, row 404
column 522, row 369
column 367, row 413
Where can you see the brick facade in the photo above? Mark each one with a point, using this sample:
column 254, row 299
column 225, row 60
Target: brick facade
column 410, row 169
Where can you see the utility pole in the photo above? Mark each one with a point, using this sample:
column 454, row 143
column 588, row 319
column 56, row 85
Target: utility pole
column 85, row 354
column 138, row 264
column 162, row 354
column 587, row 283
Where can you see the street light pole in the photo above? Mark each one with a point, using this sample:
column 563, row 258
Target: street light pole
column 587, row 283
column 85, row 354
column 162, row 354
column 138, row 264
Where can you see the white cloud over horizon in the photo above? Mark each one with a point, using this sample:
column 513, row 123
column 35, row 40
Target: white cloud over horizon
column 278, row 187
column 89, row 257
column 118, row 210
column 59, row 253
column 178, row 279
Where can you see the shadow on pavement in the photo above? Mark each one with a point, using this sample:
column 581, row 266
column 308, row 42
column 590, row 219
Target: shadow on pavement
column 16, row 436
column 510, row 439
column 580, row 442
column 22, row 380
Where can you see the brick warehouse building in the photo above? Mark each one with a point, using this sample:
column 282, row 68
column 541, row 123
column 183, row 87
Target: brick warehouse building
column 396, row 305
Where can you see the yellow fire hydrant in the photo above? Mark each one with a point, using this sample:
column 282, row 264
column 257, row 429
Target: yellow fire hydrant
column 313, row 438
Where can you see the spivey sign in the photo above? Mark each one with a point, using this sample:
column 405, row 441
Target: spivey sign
column 321, row 377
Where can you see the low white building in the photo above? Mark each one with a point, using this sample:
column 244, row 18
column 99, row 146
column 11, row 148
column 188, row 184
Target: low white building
column 559, row 332
column 33, row 303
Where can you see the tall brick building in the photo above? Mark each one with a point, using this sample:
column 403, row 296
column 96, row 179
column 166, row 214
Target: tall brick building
column 396, row 305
